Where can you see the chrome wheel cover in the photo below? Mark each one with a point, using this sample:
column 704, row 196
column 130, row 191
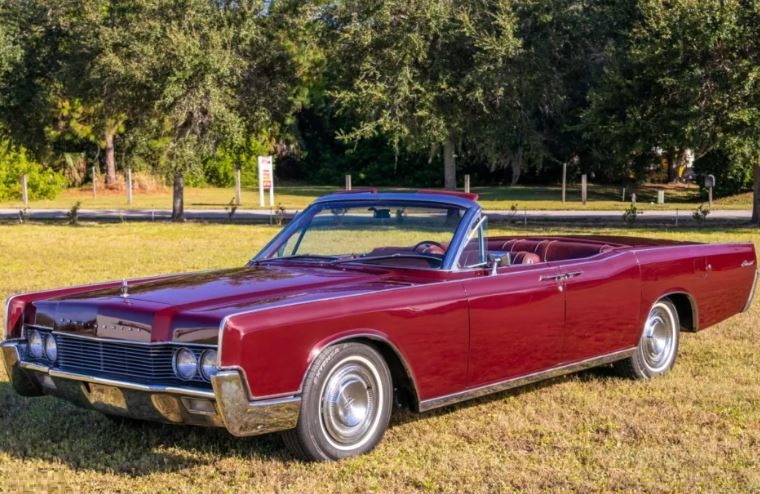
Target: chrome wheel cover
column 350, row 404
column 658, row 344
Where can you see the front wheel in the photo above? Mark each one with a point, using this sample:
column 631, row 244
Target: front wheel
column 346, row 404
column 656, row 353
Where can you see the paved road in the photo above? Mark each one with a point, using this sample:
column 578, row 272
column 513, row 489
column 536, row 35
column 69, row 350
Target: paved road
column 267, row 215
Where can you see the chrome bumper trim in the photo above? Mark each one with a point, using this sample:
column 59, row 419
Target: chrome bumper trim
column 751, row 293
column 523, row 380
column 229, row 397
column 244, row 417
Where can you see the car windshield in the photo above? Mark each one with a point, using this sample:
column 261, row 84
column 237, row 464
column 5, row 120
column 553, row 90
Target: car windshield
column 399, row 233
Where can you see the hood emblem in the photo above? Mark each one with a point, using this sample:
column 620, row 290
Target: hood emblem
column 124, row 289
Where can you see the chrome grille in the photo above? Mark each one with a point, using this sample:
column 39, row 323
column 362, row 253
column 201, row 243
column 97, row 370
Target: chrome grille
column 143, row 363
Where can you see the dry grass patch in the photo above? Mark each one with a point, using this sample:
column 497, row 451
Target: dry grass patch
column 695, row 430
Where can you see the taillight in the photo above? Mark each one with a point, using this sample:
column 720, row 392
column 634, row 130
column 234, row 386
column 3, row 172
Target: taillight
column 13, row 317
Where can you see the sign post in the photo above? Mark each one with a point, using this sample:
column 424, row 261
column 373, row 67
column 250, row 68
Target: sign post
column 266, row 179
column 710, row 183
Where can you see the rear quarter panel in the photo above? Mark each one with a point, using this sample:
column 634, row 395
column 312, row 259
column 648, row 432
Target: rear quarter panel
column 717, row 277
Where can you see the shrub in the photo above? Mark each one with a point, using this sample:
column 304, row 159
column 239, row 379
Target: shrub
column 631, row 214
column 43, row 183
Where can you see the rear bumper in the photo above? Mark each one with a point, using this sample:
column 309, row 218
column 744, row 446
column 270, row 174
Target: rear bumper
column 227, row 404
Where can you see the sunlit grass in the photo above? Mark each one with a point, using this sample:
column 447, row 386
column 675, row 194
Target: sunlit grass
column 695, row 430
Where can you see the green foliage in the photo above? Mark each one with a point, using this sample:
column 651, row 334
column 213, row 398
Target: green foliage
column 42, row 183
column 731, row 167
column 383, row 89
column 219, row 168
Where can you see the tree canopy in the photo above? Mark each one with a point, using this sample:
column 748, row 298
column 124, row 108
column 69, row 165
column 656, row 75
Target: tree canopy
column 395, row 92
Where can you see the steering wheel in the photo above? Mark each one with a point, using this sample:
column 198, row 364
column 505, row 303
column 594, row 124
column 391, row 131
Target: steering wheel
column 429, row 247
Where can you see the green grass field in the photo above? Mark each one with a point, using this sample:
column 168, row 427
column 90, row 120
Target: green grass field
column 600, row 197
column 695, row 430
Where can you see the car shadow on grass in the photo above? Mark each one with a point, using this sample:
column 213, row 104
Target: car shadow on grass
column 405, row 416
column 53, row 430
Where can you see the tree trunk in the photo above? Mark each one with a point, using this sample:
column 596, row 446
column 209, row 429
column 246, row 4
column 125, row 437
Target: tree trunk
column 517, row 166
column 756, row 195
column 672, row 167
column 110, row 159
column 449, row 165
column 178, row 200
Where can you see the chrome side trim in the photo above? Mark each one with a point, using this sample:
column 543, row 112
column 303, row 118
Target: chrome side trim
column 243, row 417
column 752, row 292
column 480, row 391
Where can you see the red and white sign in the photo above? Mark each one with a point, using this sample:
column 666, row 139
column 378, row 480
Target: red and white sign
column 266, row 179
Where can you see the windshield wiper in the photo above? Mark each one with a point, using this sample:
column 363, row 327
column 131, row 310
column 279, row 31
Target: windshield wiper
column 388, row 256
column 300, row 257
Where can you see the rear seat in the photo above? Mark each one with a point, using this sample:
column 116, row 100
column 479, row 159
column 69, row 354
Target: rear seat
column 549, row 250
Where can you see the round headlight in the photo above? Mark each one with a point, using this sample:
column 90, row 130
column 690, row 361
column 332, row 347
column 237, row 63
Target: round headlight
column 35, row 344
column 185, row 364
column 51, row 348
column 209, row 364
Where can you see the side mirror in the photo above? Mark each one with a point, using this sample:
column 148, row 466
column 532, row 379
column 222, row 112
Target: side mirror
column 497, row 259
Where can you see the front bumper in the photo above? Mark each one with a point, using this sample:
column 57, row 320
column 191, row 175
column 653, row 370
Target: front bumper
column 227, row 405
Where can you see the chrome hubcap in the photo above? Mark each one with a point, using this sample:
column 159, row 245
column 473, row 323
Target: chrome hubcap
column 659, row 339
column 349, row 404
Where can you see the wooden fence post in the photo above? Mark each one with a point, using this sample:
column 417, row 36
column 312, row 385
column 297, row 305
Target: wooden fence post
column 24, row 190
column 129, row 186
column 94, row 183
column 584, row 188
column 467, row 183
column 564, row 181
column 238, row 185
column 348, row 182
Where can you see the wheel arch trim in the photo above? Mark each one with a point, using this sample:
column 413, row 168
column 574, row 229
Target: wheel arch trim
column 360, row 335
column 693, row 313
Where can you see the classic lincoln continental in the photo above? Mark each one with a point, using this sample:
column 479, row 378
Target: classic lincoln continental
column 363, row 302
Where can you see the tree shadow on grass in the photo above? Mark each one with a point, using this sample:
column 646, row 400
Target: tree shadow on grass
column 51, row 429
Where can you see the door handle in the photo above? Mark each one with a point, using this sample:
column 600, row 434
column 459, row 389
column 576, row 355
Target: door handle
column 553, row 277
column 561, row 277
column 567, row 276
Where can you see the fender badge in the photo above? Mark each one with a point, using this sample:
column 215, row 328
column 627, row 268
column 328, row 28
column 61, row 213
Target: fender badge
column 124, row 289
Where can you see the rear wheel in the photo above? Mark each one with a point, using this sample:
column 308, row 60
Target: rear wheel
column 346, row 404
column 657, row 350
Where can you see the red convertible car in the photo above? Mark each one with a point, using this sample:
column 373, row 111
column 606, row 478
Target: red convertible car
column 364, row 301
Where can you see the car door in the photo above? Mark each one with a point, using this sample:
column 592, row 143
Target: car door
column 603, row 304
column 516, row 322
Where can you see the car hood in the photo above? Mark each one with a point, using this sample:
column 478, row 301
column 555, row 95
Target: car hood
column 189, row 307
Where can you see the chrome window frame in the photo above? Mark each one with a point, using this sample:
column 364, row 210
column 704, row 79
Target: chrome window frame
column 477, row 224
column 472, row 214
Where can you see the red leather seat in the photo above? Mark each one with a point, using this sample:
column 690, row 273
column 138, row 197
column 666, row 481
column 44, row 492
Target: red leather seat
column 525, row 258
